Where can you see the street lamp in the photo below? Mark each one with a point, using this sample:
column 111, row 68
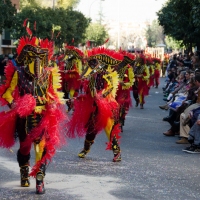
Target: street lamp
column 118, row 31
column 92, row 4
column 54, row 4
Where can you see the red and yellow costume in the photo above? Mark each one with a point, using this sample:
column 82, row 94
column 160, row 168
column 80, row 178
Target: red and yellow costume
column 36, row 113
column 73, row 68
column 126, row 80
column 165, row 64
column 157, row 65
column 70, row 67
column 140, row 87
column 97, row 109
column 149, row 63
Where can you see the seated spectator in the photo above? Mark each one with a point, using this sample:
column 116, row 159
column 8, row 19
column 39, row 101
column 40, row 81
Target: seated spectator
column 177, row 109
column 183, row 81
column 194, row 138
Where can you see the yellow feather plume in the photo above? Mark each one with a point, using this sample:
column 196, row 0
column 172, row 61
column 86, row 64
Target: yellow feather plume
column 112, row 80
column 57, row 83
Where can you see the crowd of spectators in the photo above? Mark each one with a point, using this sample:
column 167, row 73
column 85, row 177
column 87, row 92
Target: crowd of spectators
column 182, row 96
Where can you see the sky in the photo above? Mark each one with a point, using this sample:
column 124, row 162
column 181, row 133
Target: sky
column 130, row 10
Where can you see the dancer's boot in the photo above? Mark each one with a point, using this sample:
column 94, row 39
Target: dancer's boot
column 86, row 149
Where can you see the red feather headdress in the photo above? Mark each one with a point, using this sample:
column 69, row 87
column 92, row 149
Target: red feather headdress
column 106, row 56
column 74, row 51
column 128, row 57
column 156, row 60
column 34, row 41
column 141, row 59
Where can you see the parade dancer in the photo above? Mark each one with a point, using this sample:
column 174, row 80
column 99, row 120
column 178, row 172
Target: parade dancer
column 150, row 65
column 97, row 109
column 165, row 64
column 35, row 114
column 157, row 65
column 70, row 68
column 126, row 80
column 140, row 88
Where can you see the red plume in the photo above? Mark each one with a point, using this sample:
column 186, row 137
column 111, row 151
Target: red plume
column 72, row 40
column 25, row 21
column 106, row 41
column 28, row 30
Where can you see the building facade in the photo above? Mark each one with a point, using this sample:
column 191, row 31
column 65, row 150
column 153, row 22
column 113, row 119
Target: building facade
column 6, row 44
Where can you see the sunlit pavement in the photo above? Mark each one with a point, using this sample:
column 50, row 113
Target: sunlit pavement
column 153, row 166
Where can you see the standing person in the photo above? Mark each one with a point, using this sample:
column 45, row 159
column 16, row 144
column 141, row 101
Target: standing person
column 97, row 109
column 173, row 63
column 72, row 70
column 35, row 112
column 126, row 80
column 140, row 88
column 149, row 63
column 165, row 64
column 157, row 65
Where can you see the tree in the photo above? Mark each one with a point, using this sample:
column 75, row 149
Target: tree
column 180, row 20
column 154, row 34
column 67, row 3
column 97, row 33
column 47, row 3
column 73, row 24
column 24, row 3
column 173, row 44
column 7, row 14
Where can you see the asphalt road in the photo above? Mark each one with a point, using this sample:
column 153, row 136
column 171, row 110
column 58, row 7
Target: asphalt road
column 153, row 166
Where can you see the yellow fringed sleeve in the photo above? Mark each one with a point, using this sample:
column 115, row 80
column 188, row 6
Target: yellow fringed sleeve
column 57, row 83
column 152, row 69
column 8, row 94
column 79, row 66
column 112, row 80
column 157, row 66
column 146, row 77
column 131, row 77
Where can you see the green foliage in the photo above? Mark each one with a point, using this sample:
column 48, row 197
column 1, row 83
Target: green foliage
column 181, row 20
column 67, row 3
column 73, row 24
column 47, row 3
column 173, row 44
column 24, row 3
column 7, row 12
column 154, row 34
column 97, row 33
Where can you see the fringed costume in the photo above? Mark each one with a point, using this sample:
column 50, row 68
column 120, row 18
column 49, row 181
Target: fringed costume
column 149, row 63
column 140, row 88
column 97, row 109
column 157, row 65
column 72, row 70
column 126, row 80
column 165, row 64
column 35, row 111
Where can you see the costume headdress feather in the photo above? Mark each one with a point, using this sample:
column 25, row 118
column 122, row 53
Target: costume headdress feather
column 71, row 50
column 105, row 56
